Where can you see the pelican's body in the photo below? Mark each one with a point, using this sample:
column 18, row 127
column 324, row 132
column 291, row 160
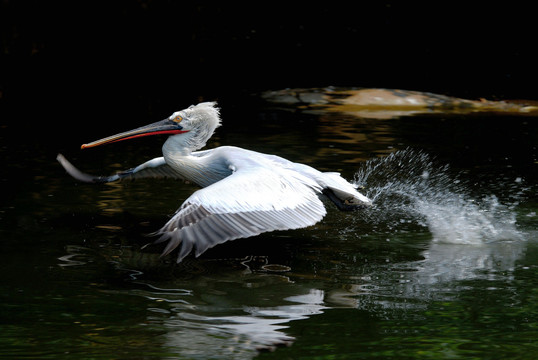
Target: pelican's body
column 244, row 193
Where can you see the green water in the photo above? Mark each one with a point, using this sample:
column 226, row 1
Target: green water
column 445, row 265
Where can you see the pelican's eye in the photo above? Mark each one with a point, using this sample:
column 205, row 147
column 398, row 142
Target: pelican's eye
column 178, row 119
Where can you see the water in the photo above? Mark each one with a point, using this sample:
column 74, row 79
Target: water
column 409, row 185
column 444, row 265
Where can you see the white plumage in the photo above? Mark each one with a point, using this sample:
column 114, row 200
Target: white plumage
column 244, row 193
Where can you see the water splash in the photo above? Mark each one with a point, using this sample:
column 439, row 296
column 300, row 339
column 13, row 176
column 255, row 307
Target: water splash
column 409, row 187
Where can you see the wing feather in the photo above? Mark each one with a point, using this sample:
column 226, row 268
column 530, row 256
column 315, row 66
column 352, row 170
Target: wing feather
column 155, row 168
column 251, row 201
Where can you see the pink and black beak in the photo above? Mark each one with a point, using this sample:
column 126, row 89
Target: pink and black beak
column 164, row 127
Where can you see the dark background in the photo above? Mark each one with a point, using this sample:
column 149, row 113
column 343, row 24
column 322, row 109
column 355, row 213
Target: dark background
column 92, row 63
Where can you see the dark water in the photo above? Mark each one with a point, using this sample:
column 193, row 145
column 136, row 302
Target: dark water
column 445, row 265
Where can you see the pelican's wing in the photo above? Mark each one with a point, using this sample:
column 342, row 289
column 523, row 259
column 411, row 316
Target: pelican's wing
column 155, row 168
column 250, row 201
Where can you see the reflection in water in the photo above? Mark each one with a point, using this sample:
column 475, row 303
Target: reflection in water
column 74, row 256
column 224, row 309
column 225, row 312
column 345, row 133
column 444, row 263
column 238, row 336
column 440, row 276
column 111, row 201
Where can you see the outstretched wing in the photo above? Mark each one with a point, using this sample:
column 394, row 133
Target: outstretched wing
column 155, row 168
column 250, row 201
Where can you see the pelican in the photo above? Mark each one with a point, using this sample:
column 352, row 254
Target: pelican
column 243, row 193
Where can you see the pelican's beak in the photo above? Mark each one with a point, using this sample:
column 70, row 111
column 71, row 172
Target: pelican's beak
column 166, row 127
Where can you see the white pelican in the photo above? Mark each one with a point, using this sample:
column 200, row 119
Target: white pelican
column 244, row 193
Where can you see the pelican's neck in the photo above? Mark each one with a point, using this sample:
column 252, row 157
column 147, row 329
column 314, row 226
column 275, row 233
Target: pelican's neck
column 176, row 146
column 201, row 170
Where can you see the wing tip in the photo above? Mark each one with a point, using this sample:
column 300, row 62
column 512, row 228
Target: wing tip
column 80, row 176
column 73, row 171
column 174, row 241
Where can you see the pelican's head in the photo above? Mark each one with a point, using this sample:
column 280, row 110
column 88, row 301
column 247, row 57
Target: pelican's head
column 191, row 127
column 200, row 121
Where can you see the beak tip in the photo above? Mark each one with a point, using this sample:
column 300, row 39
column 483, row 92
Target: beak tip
column 83, row 146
